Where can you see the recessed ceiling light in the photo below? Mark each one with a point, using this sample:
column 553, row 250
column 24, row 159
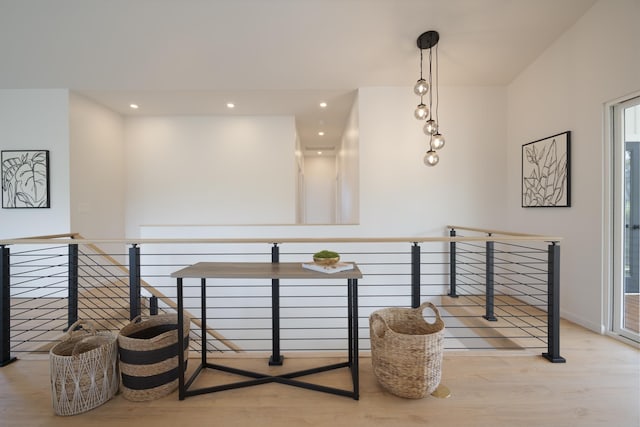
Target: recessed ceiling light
column 323, row 105
column 321, row 133
column 319, row 153
column 134, row 106
column 230, row 105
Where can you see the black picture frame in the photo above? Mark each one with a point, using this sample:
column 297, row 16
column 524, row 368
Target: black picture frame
column 25, row 179
column 546, row 172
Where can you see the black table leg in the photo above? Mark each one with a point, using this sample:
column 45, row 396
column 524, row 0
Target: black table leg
column 181, row 361
column 276, row 357
column 203, row 315
column 350, row 320
column 353, row 353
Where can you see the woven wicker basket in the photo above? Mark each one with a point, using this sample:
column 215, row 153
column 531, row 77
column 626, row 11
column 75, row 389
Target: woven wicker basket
column 149, row 356
column 406, row 351
column 83, row 369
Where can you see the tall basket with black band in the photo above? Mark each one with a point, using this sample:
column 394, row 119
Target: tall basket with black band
column 149, row 356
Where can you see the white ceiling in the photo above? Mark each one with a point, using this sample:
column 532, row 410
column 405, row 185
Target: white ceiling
column 176, row 57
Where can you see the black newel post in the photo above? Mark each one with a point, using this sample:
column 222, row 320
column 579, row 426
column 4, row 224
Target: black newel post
column 415, row 275
column 5, row 308
column 72, row 311
column 553, row 302
column 134, row 282
column 153, row 305
column 276, row 357
column 452, row 265
column 489, row 315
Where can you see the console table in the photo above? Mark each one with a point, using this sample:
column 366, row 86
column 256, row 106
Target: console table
column 274, row 271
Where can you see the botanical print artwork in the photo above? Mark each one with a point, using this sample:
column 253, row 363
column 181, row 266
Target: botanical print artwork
column 25, row 179
column 545, row 172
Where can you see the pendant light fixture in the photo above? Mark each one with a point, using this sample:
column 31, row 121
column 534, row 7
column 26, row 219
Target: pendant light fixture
column 429, row 40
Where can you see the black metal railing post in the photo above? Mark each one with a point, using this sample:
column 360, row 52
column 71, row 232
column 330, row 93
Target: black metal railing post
column 415, row 275
column 489, row 292
column 452, row 265
column 276, row 357
column 134, row 282
column 153, row 305
column 72, row 310
column 5, row 308
column 553, row 308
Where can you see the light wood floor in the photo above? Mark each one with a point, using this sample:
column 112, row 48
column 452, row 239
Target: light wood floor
column 598, row 386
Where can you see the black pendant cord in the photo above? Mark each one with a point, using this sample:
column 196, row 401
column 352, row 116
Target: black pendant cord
column 421, row 96
column 437, row 91
column 430, row 84
column 430, row 99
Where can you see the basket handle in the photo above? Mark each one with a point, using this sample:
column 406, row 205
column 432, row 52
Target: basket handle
column 87, row 344
column 379, row 325
column 435, row 310
column 160, row 337
column 86, row 325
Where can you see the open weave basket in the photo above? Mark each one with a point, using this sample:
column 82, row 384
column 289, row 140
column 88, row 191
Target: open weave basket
column 149, row 356
column 84, row 369
column 406, row 351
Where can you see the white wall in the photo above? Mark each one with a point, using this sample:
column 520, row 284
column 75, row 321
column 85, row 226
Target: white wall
column 38, row 120
column 97, row 170
column 320, row 189
column 401, row 196
column 210, row 170
column 349, row 171
column 596, row 61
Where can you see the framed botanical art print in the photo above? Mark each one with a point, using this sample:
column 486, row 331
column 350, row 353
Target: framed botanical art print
column 546, row 177
column 25, row 178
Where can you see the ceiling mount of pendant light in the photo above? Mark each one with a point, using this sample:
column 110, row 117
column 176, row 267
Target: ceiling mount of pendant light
column 427, row 86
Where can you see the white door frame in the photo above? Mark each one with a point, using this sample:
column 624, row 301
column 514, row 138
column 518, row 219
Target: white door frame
column 613, row 224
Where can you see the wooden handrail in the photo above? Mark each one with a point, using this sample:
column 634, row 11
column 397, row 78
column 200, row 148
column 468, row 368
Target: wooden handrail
column 416, row 239
column 55, row 236
column 489, row 231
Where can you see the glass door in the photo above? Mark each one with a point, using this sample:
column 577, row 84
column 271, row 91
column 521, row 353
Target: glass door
column 627, row 287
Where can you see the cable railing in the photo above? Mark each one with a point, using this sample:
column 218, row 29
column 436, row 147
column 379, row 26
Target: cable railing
column 495, row 290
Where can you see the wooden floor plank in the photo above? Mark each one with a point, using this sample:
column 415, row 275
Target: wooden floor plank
column 598, row 386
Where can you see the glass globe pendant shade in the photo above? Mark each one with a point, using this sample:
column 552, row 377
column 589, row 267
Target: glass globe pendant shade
column 421, row 87
column 421, row 112
column 431, row 158
column 430, row 127
column 438, row 141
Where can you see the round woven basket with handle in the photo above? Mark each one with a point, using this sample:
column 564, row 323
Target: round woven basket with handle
column 406, row 350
